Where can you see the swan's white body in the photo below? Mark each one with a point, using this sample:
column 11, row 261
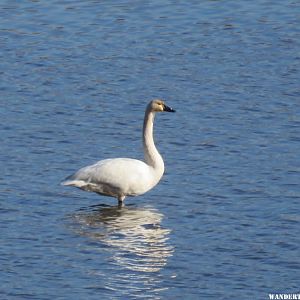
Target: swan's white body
column 121, row 177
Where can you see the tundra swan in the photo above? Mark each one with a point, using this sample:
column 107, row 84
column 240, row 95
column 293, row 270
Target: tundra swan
column 121, row 177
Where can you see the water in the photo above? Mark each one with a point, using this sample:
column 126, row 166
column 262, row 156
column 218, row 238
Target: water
column 75, row 79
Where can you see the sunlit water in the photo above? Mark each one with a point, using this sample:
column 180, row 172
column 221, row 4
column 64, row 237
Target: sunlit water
column 224, row 221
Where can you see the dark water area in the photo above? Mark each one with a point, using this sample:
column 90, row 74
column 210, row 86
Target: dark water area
column 224, row 221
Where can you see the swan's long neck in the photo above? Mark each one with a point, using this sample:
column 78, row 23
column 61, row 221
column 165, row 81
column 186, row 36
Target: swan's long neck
column 152, row 156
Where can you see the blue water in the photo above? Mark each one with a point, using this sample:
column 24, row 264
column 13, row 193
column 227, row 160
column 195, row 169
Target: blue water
column 224, row 221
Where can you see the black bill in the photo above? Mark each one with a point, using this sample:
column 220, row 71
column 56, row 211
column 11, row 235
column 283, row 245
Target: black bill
column 168, row 109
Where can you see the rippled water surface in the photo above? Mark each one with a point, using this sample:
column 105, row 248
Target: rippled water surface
column 224, row 221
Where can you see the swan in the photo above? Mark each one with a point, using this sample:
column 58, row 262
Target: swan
column 122, row 177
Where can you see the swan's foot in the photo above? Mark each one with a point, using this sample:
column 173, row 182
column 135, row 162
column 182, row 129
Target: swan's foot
column 121, row 201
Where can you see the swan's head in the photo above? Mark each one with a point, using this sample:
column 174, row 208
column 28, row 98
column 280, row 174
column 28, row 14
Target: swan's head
column 158, row 105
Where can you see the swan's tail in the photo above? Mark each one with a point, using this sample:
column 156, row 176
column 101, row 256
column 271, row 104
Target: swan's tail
column 77, row 183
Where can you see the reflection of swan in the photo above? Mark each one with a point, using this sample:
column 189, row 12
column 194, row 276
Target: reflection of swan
column 121, row 177
column 136, row 239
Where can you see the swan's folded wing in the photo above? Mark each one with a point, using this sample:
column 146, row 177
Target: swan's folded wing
column 120, row 174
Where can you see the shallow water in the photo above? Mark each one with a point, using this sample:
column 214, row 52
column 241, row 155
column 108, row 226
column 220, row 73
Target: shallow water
column 75, row 78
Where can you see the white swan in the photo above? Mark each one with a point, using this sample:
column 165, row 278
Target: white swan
column 121, row 177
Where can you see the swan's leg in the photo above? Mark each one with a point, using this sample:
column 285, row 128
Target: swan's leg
column 121, row 201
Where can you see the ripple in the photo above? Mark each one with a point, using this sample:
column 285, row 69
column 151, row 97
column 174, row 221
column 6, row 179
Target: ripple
column 133, row 236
